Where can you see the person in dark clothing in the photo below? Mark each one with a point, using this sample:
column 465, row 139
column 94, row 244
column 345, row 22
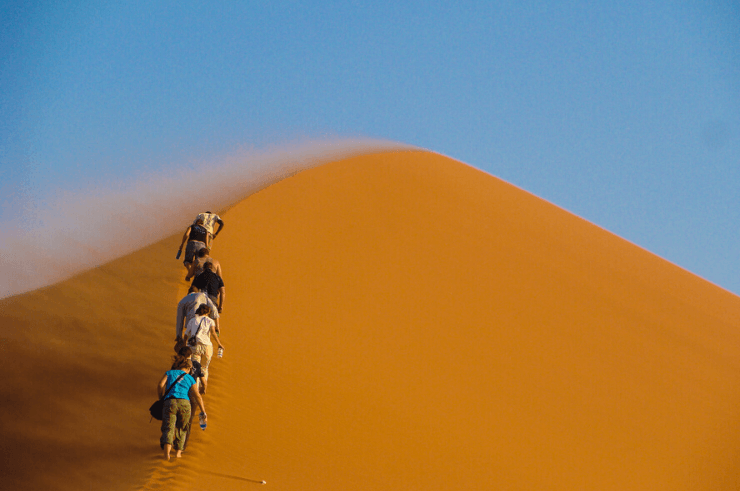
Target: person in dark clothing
column 212, row 284
column 196, row 237
column 179, row 386
column 185, row 351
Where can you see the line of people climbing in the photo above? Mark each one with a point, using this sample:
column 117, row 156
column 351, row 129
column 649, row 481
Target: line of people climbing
column 197, row 327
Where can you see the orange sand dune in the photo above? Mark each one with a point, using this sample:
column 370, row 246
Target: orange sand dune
column 392, row 321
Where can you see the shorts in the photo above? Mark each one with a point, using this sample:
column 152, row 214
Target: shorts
column 192, row 249
column 203, row 353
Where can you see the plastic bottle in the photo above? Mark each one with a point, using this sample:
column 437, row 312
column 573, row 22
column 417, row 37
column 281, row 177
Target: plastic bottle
column 220, row 352
column 202, row 421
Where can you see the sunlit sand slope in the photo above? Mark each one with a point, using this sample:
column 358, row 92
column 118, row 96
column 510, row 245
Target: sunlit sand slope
column 392, row 321
column 403, row 321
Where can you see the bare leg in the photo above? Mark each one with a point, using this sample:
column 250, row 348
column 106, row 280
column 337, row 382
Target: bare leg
column 178, row 454
column 167, row 450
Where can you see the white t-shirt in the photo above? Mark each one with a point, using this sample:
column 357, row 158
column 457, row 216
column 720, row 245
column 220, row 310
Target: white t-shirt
column 188, row 305
column 209, row 221
column 204, row 335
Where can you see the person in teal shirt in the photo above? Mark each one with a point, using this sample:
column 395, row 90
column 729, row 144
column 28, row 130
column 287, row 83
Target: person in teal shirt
column 179, row 387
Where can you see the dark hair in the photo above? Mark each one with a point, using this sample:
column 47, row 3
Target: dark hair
column 179, row 344
column 203, row 252
column 208, row 265
column 180, row 362
column 203, row 309
column 182, row 348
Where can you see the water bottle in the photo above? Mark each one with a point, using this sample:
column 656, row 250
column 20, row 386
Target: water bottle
column 202, row 421
column 220, row 352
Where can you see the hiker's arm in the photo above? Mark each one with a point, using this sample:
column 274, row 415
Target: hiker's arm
column 161, row 386
column 203, row 385
column 193, row 392
column 220, row 226
column 214, row 335
column 185, row 238
column 221, row 295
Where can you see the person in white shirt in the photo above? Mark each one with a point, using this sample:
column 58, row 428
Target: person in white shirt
column 186, row 311
column 209, row 222
column 198, row 334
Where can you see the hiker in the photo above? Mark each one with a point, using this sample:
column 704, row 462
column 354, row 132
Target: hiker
column 179, row 386
column 201, row 258
column 209, row 221
column 185, row 351
column 198, row 335
column 212, row 284
column 196, row 237
column 186, row 311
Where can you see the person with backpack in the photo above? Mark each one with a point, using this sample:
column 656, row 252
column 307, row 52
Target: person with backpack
column 196, row 237
column 177, row 386
column 212, row 284
column 187, row 307
column 209, row 222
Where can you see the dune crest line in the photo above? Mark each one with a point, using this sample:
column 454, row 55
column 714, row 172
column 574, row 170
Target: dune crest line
column 78, row 231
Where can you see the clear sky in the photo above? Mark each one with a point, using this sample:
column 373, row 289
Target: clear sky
column 624, row 113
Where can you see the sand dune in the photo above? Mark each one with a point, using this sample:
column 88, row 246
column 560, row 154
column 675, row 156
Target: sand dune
column 392, row 321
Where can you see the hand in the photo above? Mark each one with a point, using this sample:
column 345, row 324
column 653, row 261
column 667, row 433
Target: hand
column 220, row 309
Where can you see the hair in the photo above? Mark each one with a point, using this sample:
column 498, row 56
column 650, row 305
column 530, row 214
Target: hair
column 203, row 252
column 208, row 265
column 181, row 362
column 179, row 344
column 203, row 309
column 183, row 353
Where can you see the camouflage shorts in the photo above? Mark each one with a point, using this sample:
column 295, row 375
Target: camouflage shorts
column 175, row 423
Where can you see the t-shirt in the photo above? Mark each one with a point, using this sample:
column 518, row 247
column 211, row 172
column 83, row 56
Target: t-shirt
column 201, row 325
column 209, row 220
column 209, row 282
column 197, row 371
column 188, row 305
column 198, row 233
column 180, row 391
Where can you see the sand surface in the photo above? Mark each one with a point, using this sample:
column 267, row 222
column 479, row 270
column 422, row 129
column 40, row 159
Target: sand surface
column 392, row 321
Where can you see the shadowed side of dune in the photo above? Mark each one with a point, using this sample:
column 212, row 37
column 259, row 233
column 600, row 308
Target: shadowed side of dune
column 81, row 360
column 403, row 321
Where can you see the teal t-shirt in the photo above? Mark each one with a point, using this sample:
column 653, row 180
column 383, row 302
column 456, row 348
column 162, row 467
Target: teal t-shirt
column 180, row 391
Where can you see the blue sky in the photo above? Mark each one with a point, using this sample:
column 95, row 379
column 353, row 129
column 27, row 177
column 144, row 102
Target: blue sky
column 624, row 113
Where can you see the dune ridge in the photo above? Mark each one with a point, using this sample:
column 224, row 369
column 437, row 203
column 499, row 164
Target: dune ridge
column 394, row 320
column 77, row 231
